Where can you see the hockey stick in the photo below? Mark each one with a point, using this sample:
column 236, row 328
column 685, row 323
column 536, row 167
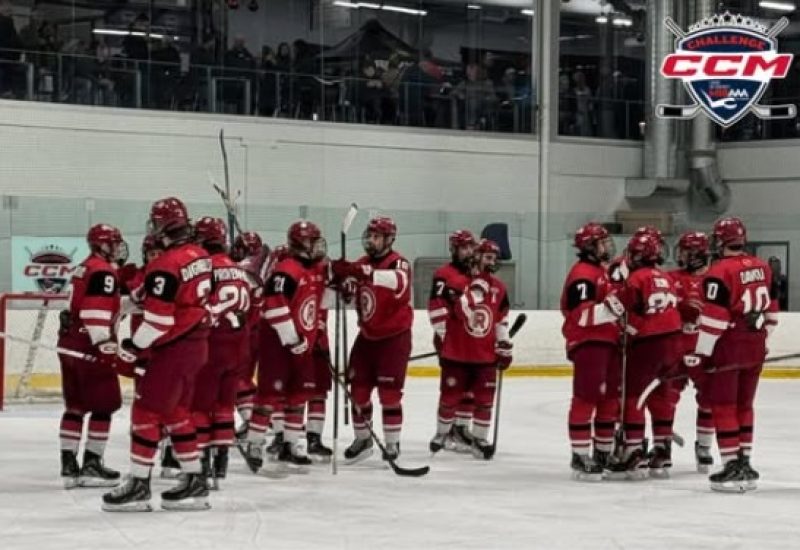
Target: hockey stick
column 230, row 205
column 518, row 322
column 340, row 314
column 774, row 112
column 677, row 111
column 50, row 347
column 399, row 470
column 348, row 221
column 232, row 226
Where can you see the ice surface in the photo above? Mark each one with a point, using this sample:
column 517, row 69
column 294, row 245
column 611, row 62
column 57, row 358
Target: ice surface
column 524, row 498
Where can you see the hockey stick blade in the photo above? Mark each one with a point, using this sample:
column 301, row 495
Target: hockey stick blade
column 349, row 218
column 409, row 472
column 774, row 112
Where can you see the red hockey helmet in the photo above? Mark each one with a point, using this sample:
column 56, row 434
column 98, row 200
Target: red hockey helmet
column 692, row 250
column 729, row 232
column 247, row 244
column 305, row 240
column 149, row 248
column 644, row 249
column 383, row 226
column 487, row 253
column 106, row 240
column 587, row 236
column 210, row 231
column 462, row 246
column 169, row 218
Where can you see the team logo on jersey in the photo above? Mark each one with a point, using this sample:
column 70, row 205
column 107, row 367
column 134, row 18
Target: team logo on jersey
column 725, row 63
column 308, row 313
column 480, row 322
column 50, row 267
column 366, row 303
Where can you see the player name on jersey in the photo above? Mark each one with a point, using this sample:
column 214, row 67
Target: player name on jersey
column 198, row 267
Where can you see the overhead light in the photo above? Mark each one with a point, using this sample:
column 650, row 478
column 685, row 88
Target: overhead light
column 777, row 6
column 622, row 21
column 117, row 32
column 602, row 19
column 473, row 7
column 400, row 9
column 113, row 32
column 526, row 12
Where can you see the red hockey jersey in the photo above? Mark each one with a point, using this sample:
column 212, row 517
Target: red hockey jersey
column 94, row 298
column 586, row 317
column 292, row 300
column 177, row 287
column 651, row 302
column 486, row 322
column 736, row 297
column 384, row 301
column 229, row 302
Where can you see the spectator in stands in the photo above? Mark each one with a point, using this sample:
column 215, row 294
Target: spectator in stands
column 477, row 94
column 267, row 90
column 165, row 74
column 283, row 66
column 135, row 46
column 418, row 87
column 779, row 287
column 239, row 69
column 370, row 91
column 29, row 34
column 10, row 50
column 391, row 89
column 566, row 107
column 584, row 111
column 430, row 66
column 283, row 57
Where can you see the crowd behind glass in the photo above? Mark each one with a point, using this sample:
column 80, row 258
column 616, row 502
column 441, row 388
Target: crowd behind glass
column 441, row 64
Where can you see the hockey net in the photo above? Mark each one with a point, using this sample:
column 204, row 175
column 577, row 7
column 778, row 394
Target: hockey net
column 29, row 372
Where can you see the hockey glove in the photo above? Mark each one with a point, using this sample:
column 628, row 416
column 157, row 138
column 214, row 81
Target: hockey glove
column 129, row 357
column 106, row 354
column 342, row 269
column 614, row 305
column 503, row 354
column 300, row 347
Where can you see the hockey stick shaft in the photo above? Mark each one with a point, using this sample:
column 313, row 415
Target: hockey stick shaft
column 406, row 472
column 50, row 347
column 232, row 226
column 346, row 223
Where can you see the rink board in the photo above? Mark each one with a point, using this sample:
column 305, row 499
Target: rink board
column 538, row 349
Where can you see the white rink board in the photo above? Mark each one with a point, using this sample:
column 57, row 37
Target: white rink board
column 539, row 343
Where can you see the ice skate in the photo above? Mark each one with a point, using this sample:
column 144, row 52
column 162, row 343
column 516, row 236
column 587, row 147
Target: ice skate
column 94, row 474
column 190, row 494
column 133, row 495
column 220, row 462
column 633, row 467
column 274, row 448
column 482, row 449
column 170, row 467
column 437, row 443
column 751, row 476
column 253, row 455
column 731, row 479
column 392, row 451
column 295, row 458
column 585, row 468
column 360, row 449
column 316, row 450
column 703, row 458
column 660, row 461
column 70, row 471
column 460, row 439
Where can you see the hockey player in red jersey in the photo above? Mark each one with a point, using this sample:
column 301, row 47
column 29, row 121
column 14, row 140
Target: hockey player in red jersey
column 468, row 311
column 592, row 336
column 91, row 387
column 654, row 327
column 173, row 342
column 379, row 357
column 215, row 389
column 285, row 369
column 735, row 321
column 692, row 256
column 323, row 381
column 251, row 254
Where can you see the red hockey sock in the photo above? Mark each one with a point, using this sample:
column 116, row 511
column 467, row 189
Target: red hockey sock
column 726, row 422
column 184, row 440
column 99, row 426
column 259, row 421
column 360, row 420
column 580, row 425
column 145, row 435
column 633, row 424
column 662, row 415
column 746, row 421
column 202, row 426
column 71, row 430
column 222, row 427
column 392, row 422
column 465, row 410
column 705, row 427
column 293, row 422
column 605, row 422
column 482, row 420
column 244, row 402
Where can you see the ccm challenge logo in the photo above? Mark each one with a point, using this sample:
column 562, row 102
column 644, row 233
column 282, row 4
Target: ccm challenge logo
column 50, row 267
column 725, row 63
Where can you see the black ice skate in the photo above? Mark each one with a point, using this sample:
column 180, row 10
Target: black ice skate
column 360, row 449
column 190, row 494
column 95, row 474
column 295, row 458
column 461, row 439
column 170, row 467
column 70, row 471
column 392, row 451
column 602, row 458
column 482, row 449
column 220, row 462
column 660, row 461
column 133, row 495
column 633, row 467
column 584, row 468
column 437, row 443
column 274, row 448
column 316, row 450
column 730, row 480
column 751, row 476
column 253, row 456
column 703, row 458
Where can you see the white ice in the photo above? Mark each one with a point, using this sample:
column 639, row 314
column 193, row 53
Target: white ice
column 524, row 498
